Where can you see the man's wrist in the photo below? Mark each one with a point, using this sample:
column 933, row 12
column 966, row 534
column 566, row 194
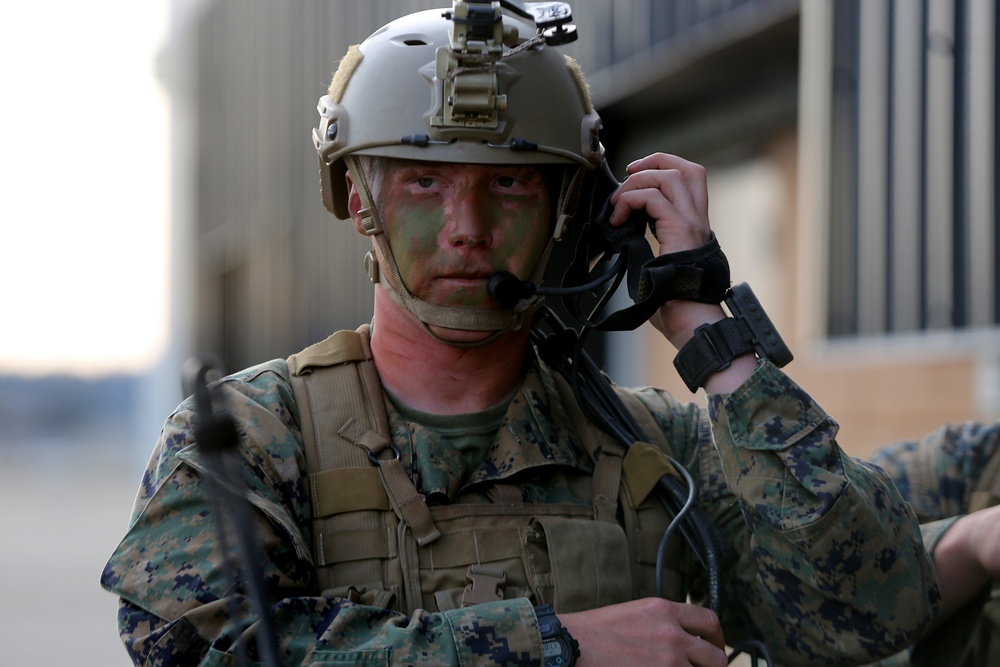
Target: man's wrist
column 678, row 319
column 713, row 347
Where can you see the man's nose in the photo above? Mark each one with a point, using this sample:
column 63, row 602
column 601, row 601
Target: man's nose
column 471, row 226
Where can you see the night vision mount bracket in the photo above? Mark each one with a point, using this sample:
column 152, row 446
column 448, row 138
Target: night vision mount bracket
column 467, row 69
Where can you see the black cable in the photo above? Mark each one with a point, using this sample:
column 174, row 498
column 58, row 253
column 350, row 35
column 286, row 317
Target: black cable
column 755, row 650
column 595, row 395
column 662, row 550
column 602, row 405
column 217, row 439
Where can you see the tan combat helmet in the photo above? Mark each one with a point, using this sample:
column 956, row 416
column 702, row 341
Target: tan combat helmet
column 469, row 84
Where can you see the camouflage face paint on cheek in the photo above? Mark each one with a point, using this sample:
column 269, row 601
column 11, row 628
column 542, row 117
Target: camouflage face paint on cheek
column 413, row 238
column 523, row 239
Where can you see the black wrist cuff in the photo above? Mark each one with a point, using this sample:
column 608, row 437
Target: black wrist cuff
column 701, row 274
column 712, row 348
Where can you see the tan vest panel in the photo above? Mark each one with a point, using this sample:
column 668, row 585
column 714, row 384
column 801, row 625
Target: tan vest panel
column 376, row 541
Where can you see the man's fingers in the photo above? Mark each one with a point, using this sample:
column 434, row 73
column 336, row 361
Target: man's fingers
column 702, row 622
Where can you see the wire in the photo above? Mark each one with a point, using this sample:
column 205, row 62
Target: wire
column 685, row 508
column 603, row 406
column 596, row 396
column 755, row 650
column 217, row 439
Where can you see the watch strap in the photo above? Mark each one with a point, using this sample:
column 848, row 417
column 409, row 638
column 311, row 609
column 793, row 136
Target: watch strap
column 712, row 348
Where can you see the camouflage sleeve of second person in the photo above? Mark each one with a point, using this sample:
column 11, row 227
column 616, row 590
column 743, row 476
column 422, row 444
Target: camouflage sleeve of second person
column 936, row 474
column 175, row 593
column 830, row 566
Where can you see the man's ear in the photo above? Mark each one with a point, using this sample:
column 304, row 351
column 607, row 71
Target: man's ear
column 354, row 203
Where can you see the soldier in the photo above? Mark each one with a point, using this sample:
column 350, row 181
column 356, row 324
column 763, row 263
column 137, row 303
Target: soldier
column 430, row 490
column 951, row 478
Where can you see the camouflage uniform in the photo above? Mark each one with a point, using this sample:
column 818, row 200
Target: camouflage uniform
column 937, row 475
column 830, row 568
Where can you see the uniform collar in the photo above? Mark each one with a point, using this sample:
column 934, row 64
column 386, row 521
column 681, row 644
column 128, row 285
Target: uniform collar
column 536, row 431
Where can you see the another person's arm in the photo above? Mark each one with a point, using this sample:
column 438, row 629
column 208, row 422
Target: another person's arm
column 937, row 474
column 967, row 558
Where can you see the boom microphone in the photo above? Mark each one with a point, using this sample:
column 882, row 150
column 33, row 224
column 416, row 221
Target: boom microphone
column 507, row 289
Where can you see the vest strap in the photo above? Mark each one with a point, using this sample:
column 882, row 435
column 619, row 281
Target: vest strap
column 408, row 503
column 360, row 544
column 607, row 480
column 347, row 490
column 331, row 379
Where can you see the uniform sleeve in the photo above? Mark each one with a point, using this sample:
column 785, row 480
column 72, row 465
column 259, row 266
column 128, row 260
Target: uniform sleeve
column 174, row 579
column 831, row 568
column 937, row 473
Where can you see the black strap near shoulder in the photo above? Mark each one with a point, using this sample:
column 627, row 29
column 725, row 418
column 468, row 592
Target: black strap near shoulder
column 700, row 274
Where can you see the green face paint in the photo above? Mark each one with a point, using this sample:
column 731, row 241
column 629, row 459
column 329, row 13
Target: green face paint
column 451, row 227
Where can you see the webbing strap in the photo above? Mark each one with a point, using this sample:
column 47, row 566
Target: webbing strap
column 607, row 480
column 480, row 544
column 408, row 503
column 347, row 490
column 327, row 386
column 360, row 544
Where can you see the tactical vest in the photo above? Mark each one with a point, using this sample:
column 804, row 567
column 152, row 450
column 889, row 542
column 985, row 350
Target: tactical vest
column 972, row 637
column 377, row 542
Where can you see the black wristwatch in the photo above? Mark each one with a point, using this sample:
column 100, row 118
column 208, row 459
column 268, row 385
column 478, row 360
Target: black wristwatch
column 714, row 346
column 559, row 649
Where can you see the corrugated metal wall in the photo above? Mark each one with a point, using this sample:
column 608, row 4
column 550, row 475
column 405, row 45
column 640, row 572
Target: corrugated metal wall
column 913, row 238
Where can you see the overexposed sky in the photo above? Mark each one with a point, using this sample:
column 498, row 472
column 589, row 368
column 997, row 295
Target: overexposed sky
column 83, row 187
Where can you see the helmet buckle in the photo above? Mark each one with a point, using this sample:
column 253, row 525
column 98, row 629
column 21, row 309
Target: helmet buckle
column 371, row 267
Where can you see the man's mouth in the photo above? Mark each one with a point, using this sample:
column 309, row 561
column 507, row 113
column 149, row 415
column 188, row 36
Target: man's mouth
column 469, row 276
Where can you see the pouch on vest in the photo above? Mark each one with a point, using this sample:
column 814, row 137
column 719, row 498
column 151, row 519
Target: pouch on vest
column 573, row 579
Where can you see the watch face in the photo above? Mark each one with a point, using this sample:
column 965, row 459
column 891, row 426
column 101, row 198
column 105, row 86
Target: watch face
column 556, row 653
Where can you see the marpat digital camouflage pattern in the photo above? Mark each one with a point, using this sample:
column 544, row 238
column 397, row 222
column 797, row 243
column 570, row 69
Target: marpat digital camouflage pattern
column 937, row 475
column 830, row 567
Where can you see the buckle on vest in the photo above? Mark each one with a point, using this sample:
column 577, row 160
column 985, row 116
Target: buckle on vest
column 483, row 584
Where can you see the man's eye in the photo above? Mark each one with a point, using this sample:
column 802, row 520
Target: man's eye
column 425, row 181
column 506, row 181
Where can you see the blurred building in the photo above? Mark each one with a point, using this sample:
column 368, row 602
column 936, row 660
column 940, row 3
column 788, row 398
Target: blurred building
column 851, row 149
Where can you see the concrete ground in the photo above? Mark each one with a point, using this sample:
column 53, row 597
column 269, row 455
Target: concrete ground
column 62, row 512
